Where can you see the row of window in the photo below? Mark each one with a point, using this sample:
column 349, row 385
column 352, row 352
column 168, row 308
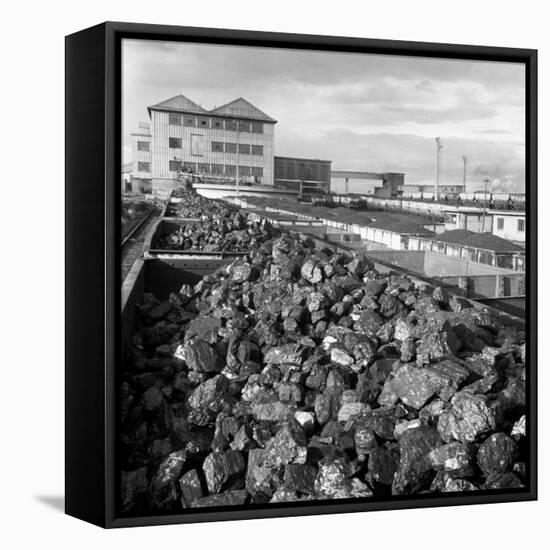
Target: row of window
column 217, row 147
column 520, row 225
column 244, row 148
column 215, row 169
column 220, row 147
column 216, row 123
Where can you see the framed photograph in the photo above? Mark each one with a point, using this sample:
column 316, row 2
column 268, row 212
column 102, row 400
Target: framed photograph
column 300, row 274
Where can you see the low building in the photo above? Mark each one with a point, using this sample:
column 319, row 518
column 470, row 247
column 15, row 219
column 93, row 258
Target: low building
column 470, row 219
column 393, row 232
column 509, row 225
column 381, row 184
column 484, row 248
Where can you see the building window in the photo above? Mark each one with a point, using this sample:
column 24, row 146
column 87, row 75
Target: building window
column 230, row 147
column 521, row 226
column 216, row 123
column 257, row 172
column 230, row 125
column 189, row 121
column 203, row 168
column 257, row 149
column 189, row 167
column 257, row 128
column 204, row 123
column 230, row 170
column 175, row 120
column 217, row 147
column 174, row 166
column 217, row 169
column 244, row 149
column 244, row 126
column 143, row 146
column 175, row 143
column 244, row 171
column 144, row 166
column 500, row 224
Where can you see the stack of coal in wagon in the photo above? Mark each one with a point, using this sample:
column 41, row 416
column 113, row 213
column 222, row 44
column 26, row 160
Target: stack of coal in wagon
column 300, row 374
column 220, row 227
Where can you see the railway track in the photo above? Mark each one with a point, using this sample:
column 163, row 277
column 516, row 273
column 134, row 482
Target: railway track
column 131, row 246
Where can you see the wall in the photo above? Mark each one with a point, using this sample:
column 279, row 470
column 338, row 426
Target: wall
column 441, row 264
column 287, row 168
column 201, row 151
column 474, row 222
column 510, row 229
column 438, row 265
column 472, row 279
column 141, row 156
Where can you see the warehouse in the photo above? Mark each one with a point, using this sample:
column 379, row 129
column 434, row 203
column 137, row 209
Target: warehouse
column 184, row 138
column 308, row 176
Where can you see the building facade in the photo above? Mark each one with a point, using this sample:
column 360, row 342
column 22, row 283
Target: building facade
column 184, row 138
column 308, row 176
column 506, row 224
column 471, row 219
column 509, row 225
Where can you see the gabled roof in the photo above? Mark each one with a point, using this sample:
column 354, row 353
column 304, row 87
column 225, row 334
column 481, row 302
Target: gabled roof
column 486, row 241
column 239, row 108
column 178, row 103
column 242, row 108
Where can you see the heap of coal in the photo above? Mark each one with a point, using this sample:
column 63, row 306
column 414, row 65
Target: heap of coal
column 193, row 205
column 223, row 231
column 302, row 374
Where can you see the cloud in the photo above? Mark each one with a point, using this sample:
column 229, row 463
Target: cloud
column 366, row 112
column 415, row 156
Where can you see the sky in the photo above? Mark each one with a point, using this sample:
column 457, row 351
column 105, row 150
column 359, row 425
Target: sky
column 377, row 113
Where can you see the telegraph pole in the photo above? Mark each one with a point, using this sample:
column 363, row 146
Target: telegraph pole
column 486, row 180
column 465, row 161
column 438, row 166
column 237, row 164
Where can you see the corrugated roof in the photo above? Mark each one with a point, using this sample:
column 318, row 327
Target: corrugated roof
column 239, row 108
column 357, row 218
column 179, row 103
column 487, row 241
column 399, row 225
column 242, row 108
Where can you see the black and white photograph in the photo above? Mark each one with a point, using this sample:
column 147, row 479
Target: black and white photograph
column 324, row 278
column 274, row 275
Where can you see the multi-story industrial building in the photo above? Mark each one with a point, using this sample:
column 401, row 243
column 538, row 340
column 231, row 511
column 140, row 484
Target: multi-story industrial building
column 183, row 137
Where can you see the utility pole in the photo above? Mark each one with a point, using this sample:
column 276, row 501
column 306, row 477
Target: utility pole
column 465, row 161
column 437, row 167
column 486, row 180
column 237, row 165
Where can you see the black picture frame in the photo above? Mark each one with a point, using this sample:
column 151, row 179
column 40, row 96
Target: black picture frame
column 93, row 160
